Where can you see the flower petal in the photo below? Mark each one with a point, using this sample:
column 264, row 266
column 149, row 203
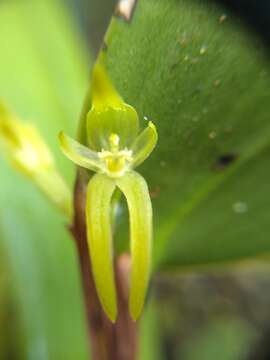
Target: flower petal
column 109, row 114
column 136, row 192
column 122, row 121
column 99, row 233
column 79, row 154
column 144, row 144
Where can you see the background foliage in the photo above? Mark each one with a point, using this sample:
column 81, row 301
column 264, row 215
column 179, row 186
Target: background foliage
column 43, row 77
column 213, row 146
column 204, row 81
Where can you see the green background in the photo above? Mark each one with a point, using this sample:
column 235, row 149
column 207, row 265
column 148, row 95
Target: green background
column 205, row 84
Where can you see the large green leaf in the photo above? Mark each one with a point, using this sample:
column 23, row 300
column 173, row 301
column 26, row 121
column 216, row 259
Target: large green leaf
column 43, row 77
column 196, row 72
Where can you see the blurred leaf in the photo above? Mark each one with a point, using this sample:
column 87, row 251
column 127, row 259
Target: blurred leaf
column 10, row 341
column 204, row 80
column 149, row 334
column 43, row 78
column 94, row 16
column 225, row 339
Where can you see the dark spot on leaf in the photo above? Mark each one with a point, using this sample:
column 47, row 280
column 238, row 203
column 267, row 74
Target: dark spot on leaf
column 197, row 91
column 174, row 65
column 224, row 161
column 125, row 9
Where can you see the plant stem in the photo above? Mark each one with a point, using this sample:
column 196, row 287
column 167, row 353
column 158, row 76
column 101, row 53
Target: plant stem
column 117, row 341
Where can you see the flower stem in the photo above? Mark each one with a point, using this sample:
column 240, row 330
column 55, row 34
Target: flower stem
column 118, row 341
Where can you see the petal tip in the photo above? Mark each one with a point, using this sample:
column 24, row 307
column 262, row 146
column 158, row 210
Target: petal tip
column 152, row 126
column 62, row 137
column 111, row 314
column 135, row 312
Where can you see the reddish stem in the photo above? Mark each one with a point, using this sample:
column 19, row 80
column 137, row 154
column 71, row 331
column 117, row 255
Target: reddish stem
column 117, row 341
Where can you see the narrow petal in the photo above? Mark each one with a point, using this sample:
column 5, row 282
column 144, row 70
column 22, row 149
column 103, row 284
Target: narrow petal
column 144, row 144
column 99, row 235
column 136, row 192
column 79, row 154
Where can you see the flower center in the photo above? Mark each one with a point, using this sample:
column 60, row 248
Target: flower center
column 116, row 161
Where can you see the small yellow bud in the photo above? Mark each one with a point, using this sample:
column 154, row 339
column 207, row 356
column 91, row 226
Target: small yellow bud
column 30, row 155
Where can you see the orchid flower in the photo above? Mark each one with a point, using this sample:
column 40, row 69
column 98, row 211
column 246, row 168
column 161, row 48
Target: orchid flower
column 114, row 148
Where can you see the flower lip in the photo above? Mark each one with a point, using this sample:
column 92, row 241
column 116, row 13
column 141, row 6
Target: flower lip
column 116, row 161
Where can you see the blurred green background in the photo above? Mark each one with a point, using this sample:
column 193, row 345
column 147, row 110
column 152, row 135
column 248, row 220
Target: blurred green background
column 47, row 48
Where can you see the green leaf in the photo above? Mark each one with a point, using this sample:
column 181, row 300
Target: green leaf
column 203, row 79
column 225, row 338
column 43, row 78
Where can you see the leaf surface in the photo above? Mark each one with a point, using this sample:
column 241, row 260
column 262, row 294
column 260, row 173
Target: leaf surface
column 43, row 78
column 203, row 79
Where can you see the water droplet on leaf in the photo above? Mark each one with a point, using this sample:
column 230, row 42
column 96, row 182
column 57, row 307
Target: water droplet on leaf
column 240, row 207
column 203, row 50
column 212, row 135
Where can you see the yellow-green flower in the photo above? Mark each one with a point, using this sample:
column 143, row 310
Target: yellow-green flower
column 115, row 148
column 30, row 155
